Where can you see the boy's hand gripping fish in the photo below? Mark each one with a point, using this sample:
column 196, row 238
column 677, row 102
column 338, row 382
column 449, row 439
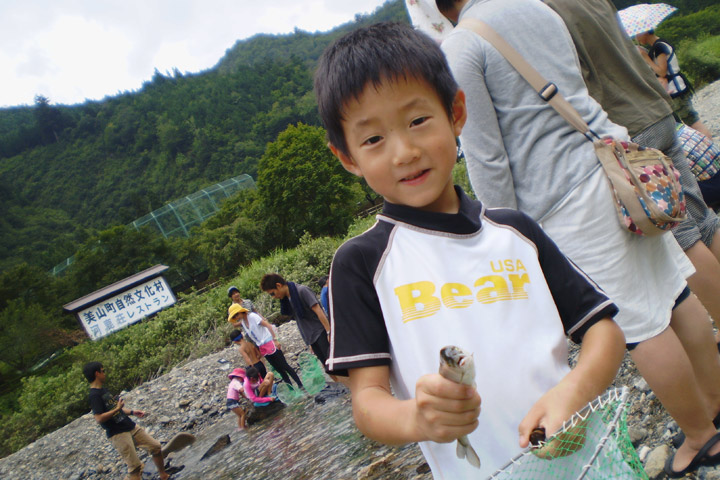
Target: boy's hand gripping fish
column 458, row 366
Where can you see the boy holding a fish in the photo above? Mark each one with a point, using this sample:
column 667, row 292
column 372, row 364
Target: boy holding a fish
column 439, row 269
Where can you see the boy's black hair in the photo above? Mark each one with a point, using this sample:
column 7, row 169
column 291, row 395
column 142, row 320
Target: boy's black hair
column 90, row 369
column 270, row 281
column 372, row 55
column 235, row 334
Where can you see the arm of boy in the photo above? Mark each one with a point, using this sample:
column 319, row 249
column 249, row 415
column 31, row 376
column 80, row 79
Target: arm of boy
column 601, row 354
column 441, row 411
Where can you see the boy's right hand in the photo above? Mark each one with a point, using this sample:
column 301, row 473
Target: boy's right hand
column 120, row 404
column 445, row 410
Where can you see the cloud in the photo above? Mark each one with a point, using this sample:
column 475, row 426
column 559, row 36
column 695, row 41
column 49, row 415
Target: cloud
column 36, row 64
column 72, row 50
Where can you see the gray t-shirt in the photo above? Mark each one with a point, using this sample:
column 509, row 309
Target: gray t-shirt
column 520, row 152
column 309, row 325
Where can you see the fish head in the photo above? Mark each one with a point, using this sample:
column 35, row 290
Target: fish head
column 456, row 364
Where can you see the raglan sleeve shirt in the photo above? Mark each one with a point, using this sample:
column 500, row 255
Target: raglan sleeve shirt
column 359, row 335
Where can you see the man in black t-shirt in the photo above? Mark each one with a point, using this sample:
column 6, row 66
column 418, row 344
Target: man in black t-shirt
column 125, row 436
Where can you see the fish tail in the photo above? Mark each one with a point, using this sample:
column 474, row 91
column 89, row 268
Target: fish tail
column 465, row 450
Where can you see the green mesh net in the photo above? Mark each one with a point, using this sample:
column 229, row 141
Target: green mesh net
column 312, row 375
column 593, row 444
column 288, row 394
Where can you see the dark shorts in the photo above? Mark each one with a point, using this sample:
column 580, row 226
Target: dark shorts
column 681, row 298
column 243, row 403
column 683, row 108
column 711, row 191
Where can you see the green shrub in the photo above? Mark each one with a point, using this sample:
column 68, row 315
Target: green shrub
column 700, row 60
column 692, row 26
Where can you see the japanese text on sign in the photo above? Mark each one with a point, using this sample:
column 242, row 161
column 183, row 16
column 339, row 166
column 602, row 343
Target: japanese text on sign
column 126, row 308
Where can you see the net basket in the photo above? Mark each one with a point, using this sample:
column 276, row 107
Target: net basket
column 593, row 444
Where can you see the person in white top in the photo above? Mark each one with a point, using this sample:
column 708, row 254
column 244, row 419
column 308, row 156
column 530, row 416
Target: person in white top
column 263, row 334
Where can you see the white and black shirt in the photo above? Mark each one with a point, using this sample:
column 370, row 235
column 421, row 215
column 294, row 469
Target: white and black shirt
column 489, row 281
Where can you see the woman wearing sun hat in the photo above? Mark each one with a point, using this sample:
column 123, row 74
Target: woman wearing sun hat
column 261, row 333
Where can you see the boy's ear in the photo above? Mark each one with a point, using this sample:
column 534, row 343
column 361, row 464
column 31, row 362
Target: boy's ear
column 347, row 162
column 459, row 112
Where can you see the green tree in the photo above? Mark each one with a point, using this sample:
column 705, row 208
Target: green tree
column 302, row 187
column 230, row 238
column 119, row 252
column 50, row 120
column 28, row 283
column 27, row 331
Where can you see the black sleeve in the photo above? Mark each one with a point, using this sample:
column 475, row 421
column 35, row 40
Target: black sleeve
column 359, row 337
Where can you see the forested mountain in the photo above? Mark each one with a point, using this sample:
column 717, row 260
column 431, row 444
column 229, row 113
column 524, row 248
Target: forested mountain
column 71, row 176
column 64, row 169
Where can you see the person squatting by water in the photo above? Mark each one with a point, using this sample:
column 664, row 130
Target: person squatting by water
column 259, row 390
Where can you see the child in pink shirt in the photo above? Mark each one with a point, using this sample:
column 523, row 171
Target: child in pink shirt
column 236, row 396
column 259, row 390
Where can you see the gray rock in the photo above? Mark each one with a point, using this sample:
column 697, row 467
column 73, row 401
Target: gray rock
column 637, row 434
column 656, row 461
column 643, row 452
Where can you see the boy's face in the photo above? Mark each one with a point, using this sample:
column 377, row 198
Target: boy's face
column 235, row 296
column 279, row 292
column 401, row 141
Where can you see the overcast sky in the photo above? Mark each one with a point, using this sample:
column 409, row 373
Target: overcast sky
column 73, row 50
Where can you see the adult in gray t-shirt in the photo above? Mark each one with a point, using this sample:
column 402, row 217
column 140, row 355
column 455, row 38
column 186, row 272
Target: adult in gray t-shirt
column 299, row 302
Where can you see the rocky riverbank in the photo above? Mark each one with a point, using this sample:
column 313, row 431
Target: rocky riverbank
column 312, row 439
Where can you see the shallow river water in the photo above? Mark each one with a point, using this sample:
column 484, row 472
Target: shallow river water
column 305, row 440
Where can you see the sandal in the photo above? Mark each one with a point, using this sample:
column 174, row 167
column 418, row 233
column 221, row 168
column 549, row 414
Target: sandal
column 699, row 460
column 678, row 439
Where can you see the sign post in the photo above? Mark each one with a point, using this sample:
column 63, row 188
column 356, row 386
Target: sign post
column 123, row 303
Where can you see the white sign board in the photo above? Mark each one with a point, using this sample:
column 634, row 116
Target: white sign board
column 126, row 308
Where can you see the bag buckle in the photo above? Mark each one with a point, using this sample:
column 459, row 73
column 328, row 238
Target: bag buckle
column 548, row 91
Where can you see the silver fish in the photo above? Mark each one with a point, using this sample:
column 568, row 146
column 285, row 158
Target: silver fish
column 458, row 366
